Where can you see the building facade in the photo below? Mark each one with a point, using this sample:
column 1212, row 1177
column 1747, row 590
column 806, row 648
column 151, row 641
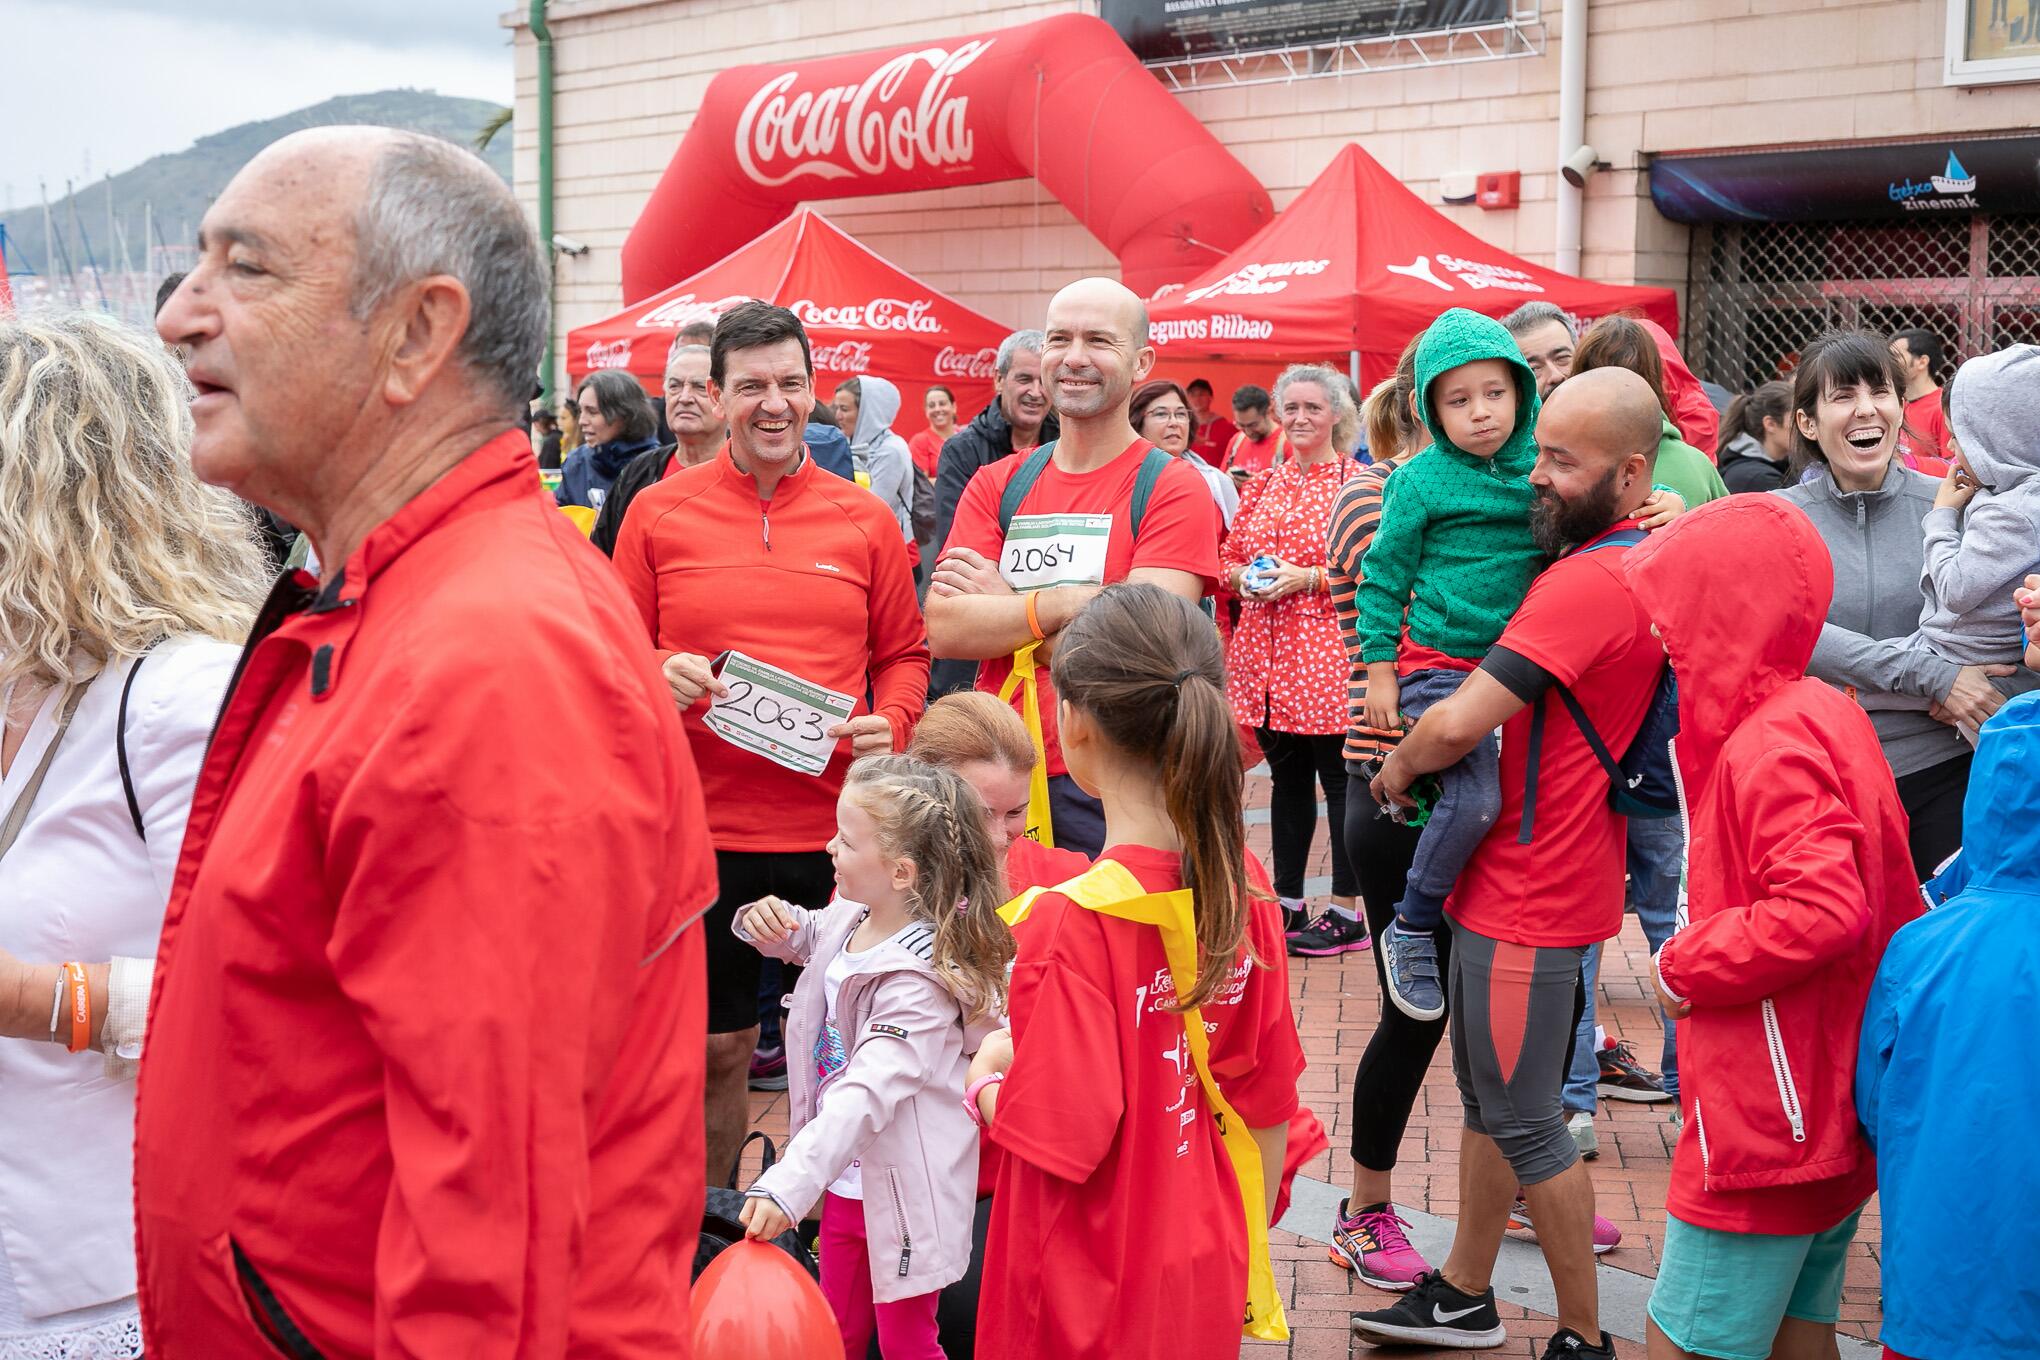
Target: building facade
column 1665, row 80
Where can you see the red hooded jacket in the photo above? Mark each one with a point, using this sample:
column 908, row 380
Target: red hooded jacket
column 424, row 1063
column 1699, row 423
column 1797, row 872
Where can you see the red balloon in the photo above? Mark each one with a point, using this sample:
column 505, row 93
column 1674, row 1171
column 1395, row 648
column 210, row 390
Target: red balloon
column 754, row 1302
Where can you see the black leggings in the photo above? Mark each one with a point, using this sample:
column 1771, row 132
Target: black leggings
column 1932, row 799
column 1391, row 1071
column 1297, row 764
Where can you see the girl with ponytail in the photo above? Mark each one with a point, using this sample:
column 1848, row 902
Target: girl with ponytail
column 1150, row 1072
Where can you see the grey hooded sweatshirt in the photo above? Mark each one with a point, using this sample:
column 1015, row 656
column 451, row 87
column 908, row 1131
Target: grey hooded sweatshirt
column 881, row 455
column 1977, row 555
column 1878, row 547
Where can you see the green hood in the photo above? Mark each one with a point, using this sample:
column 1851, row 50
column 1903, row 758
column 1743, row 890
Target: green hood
column 1461, row 337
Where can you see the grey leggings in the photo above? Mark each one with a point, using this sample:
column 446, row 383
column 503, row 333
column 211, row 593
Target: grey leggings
column 1468, row 803
column 1515, row 1008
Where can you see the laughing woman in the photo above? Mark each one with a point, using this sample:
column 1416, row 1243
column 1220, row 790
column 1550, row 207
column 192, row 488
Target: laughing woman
column 124, row 585
column 1848, row 406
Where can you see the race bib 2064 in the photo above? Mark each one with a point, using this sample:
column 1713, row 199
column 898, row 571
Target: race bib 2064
column 1055, row 550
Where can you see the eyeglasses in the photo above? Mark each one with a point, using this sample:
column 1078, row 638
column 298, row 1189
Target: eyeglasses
column 1168, row 417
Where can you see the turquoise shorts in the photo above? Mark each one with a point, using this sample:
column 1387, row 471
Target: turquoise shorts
column 1724, row 1294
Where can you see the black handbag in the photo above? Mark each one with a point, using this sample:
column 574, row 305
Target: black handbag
column 721, row 1228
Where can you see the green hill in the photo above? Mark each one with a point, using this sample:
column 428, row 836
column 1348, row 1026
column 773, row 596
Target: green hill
column 183, row 184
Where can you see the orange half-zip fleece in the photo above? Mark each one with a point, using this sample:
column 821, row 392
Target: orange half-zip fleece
column 812, row 581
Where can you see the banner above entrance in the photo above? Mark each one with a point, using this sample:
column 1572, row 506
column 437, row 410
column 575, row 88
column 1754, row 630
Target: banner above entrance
column 1851, row 183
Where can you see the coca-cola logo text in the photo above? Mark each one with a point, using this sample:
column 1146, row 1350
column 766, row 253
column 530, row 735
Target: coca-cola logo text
column 863, row 129
column 609, row 354
column 850, row 357
column 965, row 363
column 679, row 311
column 879, row 314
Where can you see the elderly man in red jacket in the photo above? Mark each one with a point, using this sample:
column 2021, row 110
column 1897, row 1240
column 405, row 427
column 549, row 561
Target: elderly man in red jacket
column 423, row 1074
column 1799, row 875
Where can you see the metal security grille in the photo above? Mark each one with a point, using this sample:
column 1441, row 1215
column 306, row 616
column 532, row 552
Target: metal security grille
column 1759, row 292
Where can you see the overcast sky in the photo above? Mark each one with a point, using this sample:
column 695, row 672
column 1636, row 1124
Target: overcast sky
column 96, row 86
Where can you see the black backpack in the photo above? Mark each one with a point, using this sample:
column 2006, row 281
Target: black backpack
column 721, row 1229
column 1644, row 782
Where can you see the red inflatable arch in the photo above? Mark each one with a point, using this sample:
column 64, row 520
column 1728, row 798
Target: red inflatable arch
column 1124, row 157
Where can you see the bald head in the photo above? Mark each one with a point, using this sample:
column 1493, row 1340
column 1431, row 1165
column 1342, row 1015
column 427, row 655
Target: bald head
column 1095, row 296
column 1604, row 413
column 357, row 288
column 1597, row 439
column 1095, row 351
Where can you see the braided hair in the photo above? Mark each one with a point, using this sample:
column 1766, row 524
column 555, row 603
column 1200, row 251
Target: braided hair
column 935, row 821
column 1146, row 667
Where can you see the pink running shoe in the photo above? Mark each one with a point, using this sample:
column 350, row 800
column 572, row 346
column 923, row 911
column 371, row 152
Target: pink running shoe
column 1372, row 1245
column 1606, row 1235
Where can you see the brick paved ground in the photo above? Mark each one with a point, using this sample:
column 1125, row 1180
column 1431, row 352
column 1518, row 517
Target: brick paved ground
column 1337, row 1002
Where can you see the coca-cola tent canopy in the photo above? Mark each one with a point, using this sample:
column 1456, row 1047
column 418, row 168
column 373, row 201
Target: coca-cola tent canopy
column 1356, row 265
column 863, row 316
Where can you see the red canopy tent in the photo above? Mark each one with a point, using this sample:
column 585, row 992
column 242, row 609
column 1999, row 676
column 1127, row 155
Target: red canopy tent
column 863, row 316
column 1353, row 268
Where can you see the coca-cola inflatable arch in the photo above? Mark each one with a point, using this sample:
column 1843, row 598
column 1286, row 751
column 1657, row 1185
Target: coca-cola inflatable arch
column 1062, row 100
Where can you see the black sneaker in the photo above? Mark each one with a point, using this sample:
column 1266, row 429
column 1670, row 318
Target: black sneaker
column 1567, row 1344
column 1624, row 1078
column 1331, row 933
column 1433, row 1313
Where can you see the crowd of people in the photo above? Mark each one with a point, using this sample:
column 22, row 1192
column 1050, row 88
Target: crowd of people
column 389, row 942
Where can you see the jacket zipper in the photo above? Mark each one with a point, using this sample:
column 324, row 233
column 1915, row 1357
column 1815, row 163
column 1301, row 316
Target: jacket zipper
column 765, row 526
column 270, row 1318
column 892, row 1180
column 1680, row 914
column 1788, row 1093
column 1700, row 1128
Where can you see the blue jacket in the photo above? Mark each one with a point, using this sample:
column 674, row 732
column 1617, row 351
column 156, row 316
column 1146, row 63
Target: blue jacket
column 1947, row 1084
column 830, row 449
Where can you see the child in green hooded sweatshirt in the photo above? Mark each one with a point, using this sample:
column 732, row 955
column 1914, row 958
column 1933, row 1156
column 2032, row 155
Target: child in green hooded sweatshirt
column 1450, row 563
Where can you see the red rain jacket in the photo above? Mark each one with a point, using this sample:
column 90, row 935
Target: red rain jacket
column 1798, row 872
column 1699, row 423
column 424, row 1066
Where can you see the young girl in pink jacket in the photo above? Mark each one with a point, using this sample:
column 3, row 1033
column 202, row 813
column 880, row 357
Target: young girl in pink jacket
column 905, row 972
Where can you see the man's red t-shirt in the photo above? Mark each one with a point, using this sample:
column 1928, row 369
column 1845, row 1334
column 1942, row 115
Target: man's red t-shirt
column 1116, row 1228
column 1923, row 442
column 1212, row 437
column 1579, row 622
column 1256, row 455
column 1179, row 531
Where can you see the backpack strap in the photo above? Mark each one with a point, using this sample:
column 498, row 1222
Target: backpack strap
column 1620, row 538
column 1594, row 742
column 1533, row 761
column 127, row 781
column 1023, row 482
column 1152, row 466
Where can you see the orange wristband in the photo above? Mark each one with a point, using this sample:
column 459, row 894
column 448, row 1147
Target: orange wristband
column 81, row 1007
column 1034, row 619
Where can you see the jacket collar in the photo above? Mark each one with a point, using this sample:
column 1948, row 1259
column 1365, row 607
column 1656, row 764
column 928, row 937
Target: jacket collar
column 502, row 471
column 790, row 486
column 1887, row 490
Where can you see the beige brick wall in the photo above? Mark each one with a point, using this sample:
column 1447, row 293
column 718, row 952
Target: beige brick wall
column 1663, row 75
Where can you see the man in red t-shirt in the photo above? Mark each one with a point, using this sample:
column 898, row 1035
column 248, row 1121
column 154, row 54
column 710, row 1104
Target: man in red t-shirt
column 1540, row 890
column 1214, row 432
column 1259, row 443
column 996, row 589
column 1923, row 439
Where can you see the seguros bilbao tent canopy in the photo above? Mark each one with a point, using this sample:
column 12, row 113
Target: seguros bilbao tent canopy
column 1354, row 267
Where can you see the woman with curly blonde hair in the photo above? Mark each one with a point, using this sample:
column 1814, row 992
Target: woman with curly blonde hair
column 125, row 586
